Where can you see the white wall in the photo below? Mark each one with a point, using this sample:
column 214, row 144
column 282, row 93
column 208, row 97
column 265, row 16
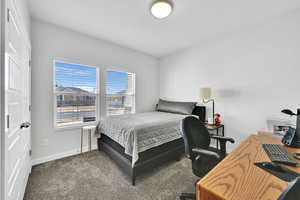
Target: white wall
column 254, row 73
column 50, row 42
column 23, row 8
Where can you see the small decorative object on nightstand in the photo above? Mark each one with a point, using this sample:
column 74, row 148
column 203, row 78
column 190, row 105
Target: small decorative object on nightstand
column 88, row 129
column 217, row 119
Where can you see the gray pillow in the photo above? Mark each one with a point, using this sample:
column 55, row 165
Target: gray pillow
column 185, row 108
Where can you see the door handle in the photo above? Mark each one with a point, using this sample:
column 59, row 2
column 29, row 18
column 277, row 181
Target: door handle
column 25, row 125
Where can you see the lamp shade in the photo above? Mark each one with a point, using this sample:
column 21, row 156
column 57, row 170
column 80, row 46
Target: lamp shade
column 205, row 93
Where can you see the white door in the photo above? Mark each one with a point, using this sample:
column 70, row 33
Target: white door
column 17, row 161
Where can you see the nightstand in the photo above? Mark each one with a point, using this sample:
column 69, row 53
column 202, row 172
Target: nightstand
column 217, row 129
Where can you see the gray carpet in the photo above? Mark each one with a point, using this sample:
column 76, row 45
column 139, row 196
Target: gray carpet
column 95, row 177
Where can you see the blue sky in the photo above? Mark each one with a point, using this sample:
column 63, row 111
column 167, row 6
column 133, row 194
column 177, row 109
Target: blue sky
column 115, row 81
column 84, row 77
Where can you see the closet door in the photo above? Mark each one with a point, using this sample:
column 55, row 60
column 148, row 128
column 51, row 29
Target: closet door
column 17, row 161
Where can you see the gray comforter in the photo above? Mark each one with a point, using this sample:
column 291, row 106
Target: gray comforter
column 142, row 131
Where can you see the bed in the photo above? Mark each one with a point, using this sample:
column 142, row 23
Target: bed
column 140, row 142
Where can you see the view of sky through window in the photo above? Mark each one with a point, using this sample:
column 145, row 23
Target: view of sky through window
column 74, row 75
column 116, row 82
column 84, row 77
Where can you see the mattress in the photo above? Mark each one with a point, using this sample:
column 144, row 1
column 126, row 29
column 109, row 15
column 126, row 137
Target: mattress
column 142, row 131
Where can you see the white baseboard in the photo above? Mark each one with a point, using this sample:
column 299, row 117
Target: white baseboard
column 61, row 155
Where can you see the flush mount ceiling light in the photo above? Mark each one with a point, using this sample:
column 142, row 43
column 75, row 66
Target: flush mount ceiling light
column 161, row 8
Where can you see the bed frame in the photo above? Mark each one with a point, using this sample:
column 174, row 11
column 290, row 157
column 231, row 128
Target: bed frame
column 148, row 159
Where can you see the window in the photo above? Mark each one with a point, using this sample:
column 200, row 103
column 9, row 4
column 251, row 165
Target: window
column 120, row 92
column 76, row 94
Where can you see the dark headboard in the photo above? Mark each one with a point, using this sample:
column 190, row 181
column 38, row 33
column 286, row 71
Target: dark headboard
column 201, row 112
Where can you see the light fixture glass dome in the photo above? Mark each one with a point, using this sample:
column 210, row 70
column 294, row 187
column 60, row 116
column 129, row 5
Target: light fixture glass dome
column 161, row 8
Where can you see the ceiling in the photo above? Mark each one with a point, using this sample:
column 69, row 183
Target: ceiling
column 129, row 22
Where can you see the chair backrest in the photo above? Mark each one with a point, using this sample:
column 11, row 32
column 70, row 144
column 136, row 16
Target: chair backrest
column 195, row 135
column 292, row 192
column 200, row 111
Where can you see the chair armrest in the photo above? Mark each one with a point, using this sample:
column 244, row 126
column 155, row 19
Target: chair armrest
column 205, row 152
column 223, row 139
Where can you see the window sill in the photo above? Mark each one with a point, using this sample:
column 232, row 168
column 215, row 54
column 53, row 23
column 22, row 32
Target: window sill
column 73, row 126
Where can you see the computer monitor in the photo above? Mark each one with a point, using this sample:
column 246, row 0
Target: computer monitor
column 292, row 137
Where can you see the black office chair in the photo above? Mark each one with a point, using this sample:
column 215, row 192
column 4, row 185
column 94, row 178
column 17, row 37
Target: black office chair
column 197, row 147
column 292, row 192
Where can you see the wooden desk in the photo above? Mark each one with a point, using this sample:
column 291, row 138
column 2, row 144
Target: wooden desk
column 236, row 177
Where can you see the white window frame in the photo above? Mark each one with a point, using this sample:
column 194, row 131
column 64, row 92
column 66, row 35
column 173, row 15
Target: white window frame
column 134, row 89
column 76, row 124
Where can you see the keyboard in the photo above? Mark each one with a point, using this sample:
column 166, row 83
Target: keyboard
column 277, row 154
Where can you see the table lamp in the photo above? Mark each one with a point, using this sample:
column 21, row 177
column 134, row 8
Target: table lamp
column 206, row 96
